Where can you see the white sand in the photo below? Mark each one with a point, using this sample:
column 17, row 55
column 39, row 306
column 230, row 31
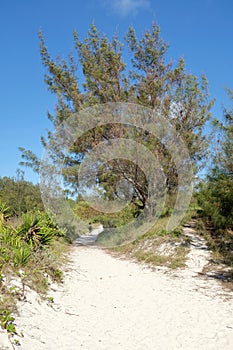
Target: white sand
column 108, row 303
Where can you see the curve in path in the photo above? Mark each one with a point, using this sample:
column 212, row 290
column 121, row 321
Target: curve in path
column 107, row 303
column 89, row 238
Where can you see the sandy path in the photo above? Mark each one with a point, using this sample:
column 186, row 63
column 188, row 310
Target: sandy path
column 107, row 303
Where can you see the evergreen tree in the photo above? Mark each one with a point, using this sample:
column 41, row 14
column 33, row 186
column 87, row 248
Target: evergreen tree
column 20, row 195
column 216, row 195
column 149, row 80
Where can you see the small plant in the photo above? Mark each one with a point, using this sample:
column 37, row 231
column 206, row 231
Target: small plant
column 37, row 229
column 22, row 255
column 4, row 212
column 50, row 299
column 16, row 342
column 29, row 251
column 7, row 321
column 57, row 275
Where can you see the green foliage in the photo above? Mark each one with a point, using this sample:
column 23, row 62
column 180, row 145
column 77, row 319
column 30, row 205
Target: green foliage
column 7, row 321
column 223, row 157
column 12, row 247
column 22, row 255
column 4, row 212
column 150, row 257
column 37, row 229
column 28, row 252
column 216, row 193
column 19, row 195
column 50, row 299
column 103, row 66
column 216, row 200
column 150, row 80
column 147, row 248
column 117, row 219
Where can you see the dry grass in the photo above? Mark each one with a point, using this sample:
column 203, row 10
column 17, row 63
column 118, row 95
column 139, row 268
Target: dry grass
column 157, row 247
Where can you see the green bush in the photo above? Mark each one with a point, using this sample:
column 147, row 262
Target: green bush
column 216, row 201
column 37, row 229
column 4, row 212
column 109, row 220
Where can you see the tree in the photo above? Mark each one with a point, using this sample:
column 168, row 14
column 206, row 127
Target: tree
column 216, row 195
column 20, row 195
column 223, row 162
column 149, row 80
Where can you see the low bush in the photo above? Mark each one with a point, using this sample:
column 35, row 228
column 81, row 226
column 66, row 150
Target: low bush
column 30, row 253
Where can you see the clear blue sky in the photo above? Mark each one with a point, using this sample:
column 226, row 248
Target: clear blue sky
column 199, row 30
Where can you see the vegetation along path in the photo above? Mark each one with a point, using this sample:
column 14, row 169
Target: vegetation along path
column 109, row 303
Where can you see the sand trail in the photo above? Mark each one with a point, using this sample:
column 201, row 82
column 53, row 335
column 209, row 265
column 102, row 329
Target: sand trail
column 109, row 303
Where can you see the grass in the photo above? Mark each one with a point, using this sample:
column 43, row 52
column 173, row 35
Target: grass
column 146, row 247
column 174, row 261
column 157, row 247
column 158, row 250
column 149, row 257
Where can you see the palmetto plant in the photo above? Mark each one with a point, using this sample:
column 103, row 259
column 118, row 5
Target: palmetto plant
column 13, row 248
column 37, row 229
column 4, row 212
column 22, row 255
column 25, row 255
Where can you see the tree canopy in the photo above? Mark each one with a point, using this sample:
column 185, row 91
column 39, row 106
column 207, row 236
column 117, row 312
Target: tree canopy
column 20, row 195
column 100, row 72
column 216, row 195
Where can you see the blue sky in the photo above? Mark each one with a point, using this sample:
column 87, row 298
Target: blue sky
column 199, row 30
